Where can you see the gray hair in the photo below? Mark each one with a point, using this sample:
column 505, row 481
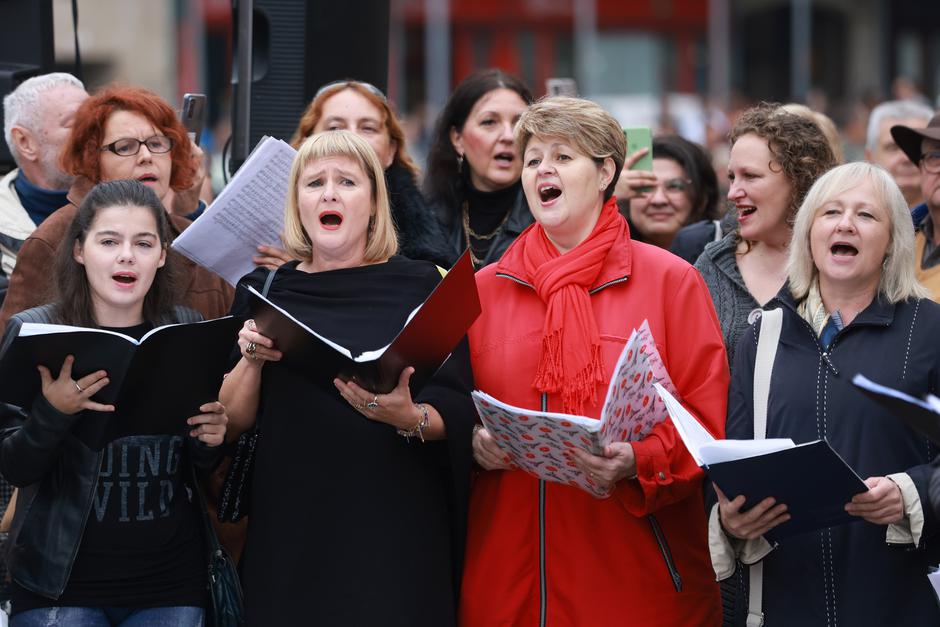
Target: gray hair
column 898, row 278
column 893, row 110
column 21, row 107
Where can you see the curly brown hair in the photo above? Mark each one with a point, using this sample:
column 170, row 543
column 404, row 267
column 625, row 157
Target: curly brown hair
column 799, row 147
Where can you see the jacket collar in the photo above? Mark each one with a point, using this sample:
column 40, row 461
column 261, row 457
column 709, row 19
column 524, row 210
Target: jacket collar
column 617, row 265
column 878, row 313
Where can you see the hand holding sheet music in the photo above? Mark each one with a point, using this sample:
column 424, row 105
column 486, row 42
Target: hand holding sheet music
column 427, row 339
column 539, row 442
column 154, row 384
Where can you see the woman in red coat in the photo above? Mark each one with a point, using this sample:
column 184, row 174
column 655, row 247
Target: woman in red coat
column 557, row 310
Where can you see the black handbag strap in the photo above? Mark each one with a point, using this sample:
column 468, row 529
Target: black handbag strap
column 212, row 541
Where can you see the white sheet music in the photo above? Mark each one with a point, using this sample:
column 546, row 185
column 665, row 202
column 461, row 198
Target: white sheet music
column 248, row 213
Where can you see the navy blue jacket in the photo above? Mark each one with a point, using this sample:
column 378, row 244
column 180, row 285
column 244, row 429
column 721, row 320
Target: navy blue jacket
column 848, row 575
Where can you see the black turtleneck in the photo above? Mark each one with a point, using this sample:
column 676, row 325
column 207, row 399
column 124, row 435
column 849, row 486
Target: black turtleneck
column 488, row 210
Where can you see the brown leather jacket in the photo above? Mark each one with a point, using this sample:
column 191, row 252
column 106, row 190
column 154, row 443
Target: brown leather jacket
column 31, row 283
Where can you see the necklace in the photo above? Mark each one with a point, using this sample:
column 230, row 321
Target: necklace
column 468, row 233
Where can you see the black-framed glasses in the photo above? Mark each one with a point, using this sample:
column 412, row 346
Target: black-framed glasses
column 129, row 146
column 931, row 161
column 372, row 89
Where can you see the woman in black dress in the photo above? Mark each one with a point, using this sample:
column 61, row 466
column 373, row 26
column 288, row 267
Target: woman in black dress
column 358, row 500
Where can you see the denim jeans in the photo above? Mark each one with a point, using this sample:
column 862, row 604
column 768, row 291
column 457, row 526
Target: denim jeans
column 179, row 616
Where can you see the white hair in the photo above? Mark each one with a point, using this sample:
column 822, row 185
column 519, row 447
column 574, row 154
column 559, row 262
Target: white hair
column 898, row 278
column 894, row 110
column 22, row 106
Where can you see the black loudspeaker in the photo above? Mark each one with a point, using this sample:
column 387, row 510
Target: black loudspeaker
column 297, row 46
column 26, row 49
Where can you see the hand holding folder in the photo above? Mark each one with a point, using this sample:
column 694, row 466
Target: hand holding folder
column 425, row 342
column 154, row 383
column 810, row 479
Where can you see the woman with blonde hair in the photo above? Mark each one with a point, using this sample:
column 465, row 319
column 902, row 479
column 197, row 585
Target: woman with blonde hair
column 852, row 304
column 356, row 499
column 557, row 311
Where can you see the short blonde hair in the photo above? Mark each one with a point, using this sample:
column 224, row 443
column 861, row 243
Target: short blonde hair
column 898, row 280
column 381, row 239
column 582, row 123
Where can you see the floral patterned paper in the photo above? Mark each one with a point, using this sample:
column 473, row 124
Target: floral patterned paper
column 536, row 441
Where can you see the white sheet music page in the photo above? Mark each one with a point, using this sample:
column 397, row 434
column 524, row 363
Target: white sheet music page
column 248, row 213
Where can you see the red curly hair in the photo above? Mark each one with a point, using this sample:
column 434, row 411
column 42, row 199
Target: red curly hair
column 81, row 155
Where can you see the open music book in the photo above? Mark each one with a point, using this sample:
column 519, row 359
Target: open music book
column 537, row 441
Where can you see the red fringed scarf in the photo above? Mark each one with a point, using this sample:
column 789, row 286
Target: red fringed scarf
column 570, row 361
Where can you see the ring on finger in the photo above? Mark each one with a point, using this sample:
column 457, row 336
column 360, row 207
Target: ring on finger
column 251, row 349
column 374, row 403
column 78, row 387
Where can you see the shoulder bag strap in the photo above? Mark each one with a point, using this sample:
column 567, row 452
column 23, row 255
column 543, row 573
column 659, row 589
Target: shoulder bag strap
column 267, row 282
column 770, row 324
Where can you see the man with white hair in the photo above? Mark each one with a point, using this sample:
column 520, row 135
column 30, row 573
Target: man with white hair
column 881, row 149
column 37, row 121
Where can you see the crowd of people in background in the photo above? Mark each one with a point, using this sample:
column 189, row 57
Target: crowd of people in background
column 389, row 509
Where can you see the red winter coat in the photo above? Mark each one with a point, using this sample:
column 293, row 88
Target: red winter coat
column 544, row 553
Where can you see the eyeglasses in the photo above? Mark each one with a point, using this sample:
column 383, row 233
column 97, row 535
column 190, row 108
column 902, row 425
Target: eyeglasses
column 671, row 187
column 368, row 86
column 128, row 146
column 931, row 161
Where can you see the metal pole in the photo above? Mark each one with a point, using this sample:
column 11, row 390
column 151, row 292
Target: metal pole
column 585, row 44
column 242, row 125
column 800, row 37
column 719, row 52
column 436, row 54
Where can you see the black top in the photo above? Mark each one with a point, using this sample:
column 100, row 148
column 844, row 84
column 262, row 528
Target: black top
column 141, row 546
column 351, row 524
column 488, row 211
column 419, row 233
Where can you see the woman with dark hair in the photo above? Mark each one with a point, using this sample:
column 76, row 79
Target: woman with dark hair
column 82, row 555
column 119, row 133
column 474, row 166
column 363, row 109
column 684, row 192
column 775, row 158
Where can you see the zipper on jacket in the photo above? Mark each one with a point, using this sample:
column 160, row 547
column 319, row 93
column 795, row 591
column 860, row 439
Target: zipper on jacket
column 667, row 554
column 622, row 279
column 91, row 502
column 608, row 284
column 543, row 579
